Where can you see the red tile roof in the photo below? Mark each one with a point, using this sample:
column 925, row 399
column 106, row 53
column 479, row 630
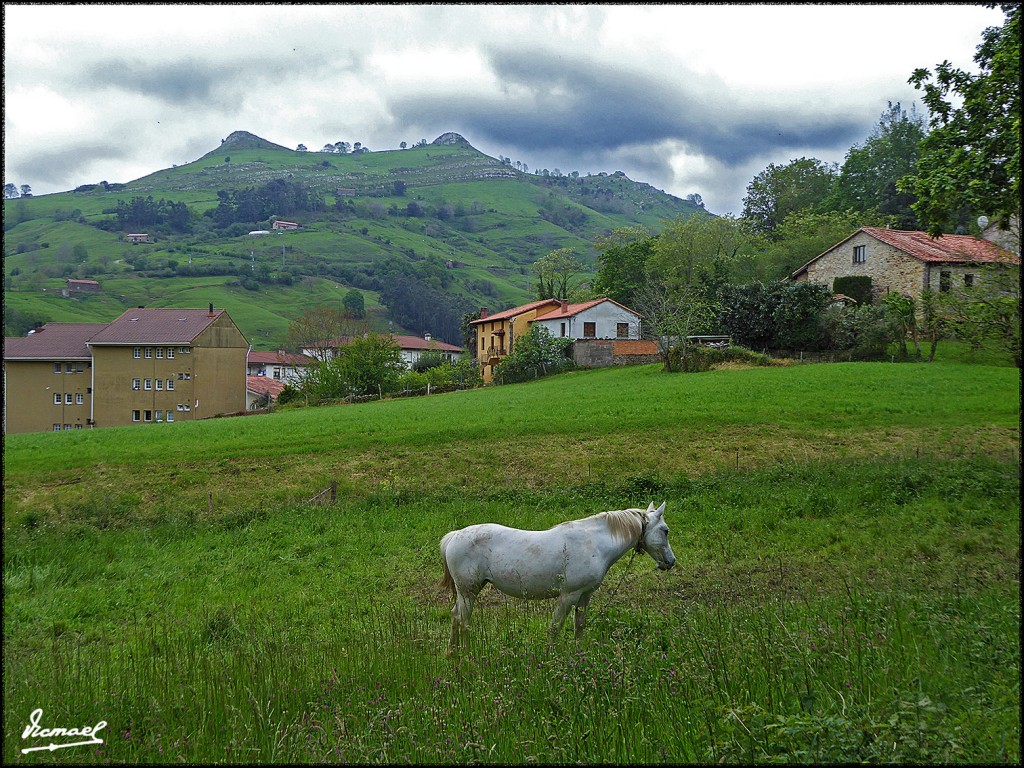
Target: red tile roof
column 157, row 326
column 948, row 248
column 514, row 311
column 277, row 358
column 416, row 342
column 54, row 341
column 962, row 249
column 575, row 309
column 264, row 385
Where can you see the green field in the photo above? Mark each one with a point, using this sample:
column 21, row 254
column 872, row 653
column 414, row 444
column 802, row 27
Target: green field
column 847, row 585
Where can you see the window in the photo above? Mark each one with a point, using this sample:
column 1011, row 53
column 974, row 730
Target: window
column 68, row 398
column 188, row 376
column 622, row 330
column 136, row 383
column 56, row 427
column 277, row 372
column 181, row 407
column 159, row 353
column 56, row 398
column 136, row 352
column 945, row 281
column 67, row 427
column 56, row 367
column 859, row 255
column 563, row 329
column 159, row 415
column 589, row 330
column 184, row 350
column 147, row 415
column 170, row 353
column 79, row 399
column 78, row 426
column 159, row 385
column 170, row 384
column 135, row 416
column 69, row 367
column 149, row 353
column 968, row 281
column 80, row 367
column 170, row 416
column 149, row 384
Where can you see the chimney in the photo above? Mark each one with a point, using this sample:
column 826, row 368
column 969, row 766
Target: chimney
column 483, row 312
column 565, row 305
column 211, row 310
column 426, row 337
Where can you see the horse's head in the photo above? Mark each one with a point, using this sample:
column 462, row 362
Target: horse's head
column 654, row 537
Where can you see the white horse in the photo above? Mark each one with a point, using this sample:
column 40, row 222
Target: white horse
column 568, row 561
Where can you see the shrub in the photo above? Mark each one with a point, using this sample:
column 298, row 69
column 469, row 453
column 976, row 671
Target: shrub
column 857, row 287
column 536, row 354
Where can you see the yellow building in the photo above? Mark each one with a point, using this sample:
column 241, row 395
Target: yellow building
column 147, row 366
column 495, row 334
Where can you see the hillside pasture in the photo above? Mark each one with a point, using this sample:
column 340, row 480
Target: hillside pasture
column 847, row 585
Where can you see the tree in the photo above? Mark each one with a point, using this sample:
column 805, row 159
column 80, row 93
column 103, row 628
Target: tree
column 986, row 312
column 301, row 148
column 354, row 304
column 10, row 191
column 26, row 190
column 971, row 157
column 342, row 147
column 320, row 330
column 622, row 263
column 780, row 190
column 402, row 145
column 536, row 353
column 554, row 271
column 869, row 177
column 365, row 365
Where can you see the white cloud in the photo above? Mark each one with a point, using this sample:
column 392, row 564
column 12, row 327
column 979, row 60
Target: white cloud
column 683, row 96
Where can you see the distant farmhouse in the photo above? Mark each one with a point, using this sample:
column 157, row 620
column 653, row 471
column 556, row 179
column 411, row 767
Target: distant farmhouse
column 604, row 332
column 147, row 366
column 137, row 238
column 81, row 286
column 906, row 262
column 280, row 224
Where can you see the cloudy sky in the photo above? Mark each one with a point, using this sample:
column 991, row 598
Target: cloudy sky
column 689, row 98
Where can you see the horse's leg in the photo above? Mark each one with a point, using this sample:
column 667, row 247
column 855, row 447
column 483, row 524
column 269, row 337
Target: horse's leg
column 580, row 617
column 460, row 618
column 566, row 601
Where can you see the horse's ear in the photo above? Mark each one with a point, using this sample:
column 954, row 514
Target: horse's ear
column 660, row 511
column 650, row 507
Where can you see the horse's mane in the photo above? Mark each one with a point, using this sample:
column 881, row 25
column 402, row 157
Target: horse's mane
column 625, row 524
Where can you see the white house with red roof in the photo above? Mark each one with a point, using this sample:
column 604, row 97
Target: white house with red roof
column 906, row 262
column 278, row 366
column 411, row 348
column 597, row 320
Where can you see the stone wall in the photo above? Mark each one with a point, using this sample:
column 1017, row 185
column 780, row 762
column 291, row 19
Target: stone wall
column 602, row 353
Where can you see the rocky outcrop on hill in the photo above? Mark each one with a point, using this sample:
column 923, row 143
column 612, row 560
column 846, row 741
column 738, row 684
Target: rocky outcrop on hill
column 450, row 139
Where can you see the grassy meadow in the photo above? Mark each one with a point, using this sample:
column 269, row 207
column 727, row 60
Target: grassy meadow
column 847, row 584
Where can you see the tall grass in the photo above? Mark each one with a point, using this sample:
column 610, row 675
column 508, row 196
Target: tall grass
column 854, row 602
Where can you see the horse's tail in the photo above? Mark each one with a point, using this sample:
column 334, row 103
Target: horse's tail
column 447, row 582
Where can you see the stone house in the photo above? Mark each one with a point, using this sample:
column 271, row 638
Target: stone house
column 906, row 262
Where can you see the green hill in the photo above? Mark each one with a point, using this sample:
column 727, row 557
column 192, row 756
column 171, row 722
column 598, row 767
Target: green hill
column 462, row 229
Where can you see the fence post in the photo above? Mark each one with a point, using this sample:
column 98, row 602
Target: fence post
column 334, row 491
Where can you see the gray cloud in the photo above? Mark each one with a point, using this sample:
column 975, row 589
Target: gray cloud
column 55, row 165
column 551, row 103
